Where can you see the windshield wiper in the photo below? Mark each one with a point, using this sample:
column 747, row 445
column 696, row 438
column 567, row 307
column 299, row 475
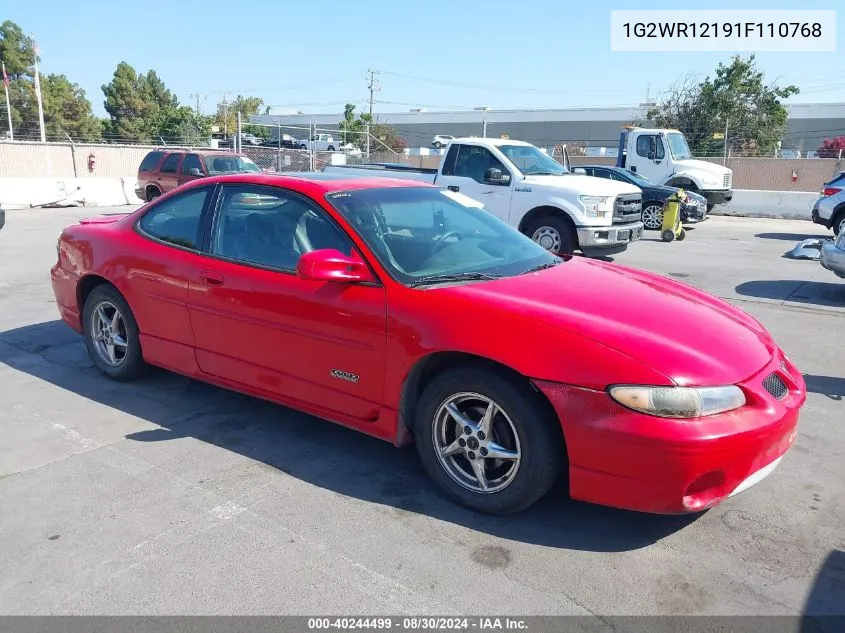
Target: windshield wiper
column 447, row 277
column 540, row 267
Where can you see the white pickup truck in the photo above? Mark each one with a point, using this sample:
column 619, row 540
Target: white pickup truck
column 531, row 191
column 664, row 157
column 322, row 143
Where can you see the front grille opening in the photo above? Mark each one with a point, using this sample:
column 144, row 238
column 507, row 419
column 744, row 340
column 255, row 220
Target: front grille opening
column 775, row 386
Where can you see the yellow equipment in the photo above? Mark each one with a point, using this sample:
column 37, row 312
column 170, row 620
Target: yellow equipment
column 671, row 228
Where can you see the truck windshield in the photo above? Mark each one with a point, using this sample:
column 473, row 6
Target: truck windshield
column 426, row 235
column 678, row 146
column 531, row 161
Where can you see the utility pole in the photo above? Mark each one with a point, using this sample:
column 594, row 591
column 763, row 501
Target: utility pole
column 727, row 145
column 373, row 87
column 35, row 53
column 225, row 116
column 197, row 97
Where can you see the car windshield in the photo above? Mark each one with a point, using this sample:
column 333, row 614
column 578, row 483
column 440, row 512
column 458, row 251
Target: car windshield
column 531, row 161
column 424, row 235
column 225, row 164
column 678, row 146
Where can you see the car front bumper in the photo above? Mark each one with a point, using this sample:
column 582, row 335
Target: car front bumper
column 717, row 196
column 607, row 240
column 64, row 289
column 693, row 213
column 832, row 258
column 625, row 459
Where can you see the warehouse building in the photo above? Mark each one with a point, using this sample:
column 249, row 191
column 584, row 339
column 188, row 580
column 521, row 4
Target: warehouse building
column 596, row 128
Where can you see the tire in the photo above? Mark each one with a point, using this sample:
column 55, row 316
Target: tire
column 710, row 207
column 128, row 362
column 152, row 194
column 838, row 224
column 521, row 425
column 682, row 235
column 668, row 235
column 330, row 148
column 438, row 145
column 553, row 234
column 652, row 216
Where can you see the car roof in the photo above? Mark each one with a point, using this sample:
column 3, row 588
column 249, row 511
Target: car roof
column 317, row 182
column 200, row 151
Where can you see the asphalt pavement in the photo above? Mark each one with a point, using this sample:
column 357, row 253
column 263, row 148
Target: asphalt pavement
column 167, row 496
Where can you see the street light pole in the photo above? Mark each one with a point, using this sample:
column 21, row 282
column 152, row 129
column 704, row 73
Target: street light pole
column 483, row 120
column 35, row 53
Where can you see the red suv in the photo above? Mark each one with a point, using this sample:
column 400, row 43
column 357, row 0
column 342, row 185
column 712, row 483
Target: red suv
column 163, row 170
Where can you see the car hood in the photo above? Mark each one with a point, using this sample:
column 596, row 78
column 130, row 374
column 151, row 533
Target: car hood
column 689, row 164
column 691, row 337
column 583, row 185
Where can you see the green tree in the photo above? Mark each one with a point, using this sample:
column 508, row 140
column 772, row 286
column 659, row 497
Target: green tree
column 736, row 98
column 226, row 117
column 382, row 135
column 67, row 111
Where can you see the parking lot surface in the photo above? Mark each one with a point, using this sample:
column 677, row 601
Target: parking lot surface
column 167, row 496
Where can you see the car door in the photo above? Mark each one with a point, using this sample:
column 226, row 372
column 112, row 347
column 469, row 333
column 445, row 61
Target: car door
column 191, row 169
column 258, row 324
column 158, row 268
column 652, row 163
column 168, row 172
column 465, row 169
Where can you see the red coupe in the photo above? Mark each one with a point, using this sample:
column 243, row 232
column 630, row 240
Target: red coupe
column 412, row 314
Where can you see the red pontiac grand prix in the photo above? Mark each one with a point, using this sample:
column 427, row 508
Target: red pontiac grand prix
column 410, row 313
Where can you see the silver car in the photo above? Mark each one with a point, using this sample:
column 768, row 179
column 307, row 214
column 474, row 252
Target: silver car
column 829, row 210
column 832, row 255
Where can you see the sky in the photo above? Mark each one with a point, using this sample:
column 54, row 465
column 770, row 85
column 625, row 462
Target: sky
column 438, row 55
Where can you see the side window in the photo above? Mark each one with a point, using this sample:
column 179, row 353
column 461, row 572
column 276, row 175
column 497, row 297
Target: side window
column 150, row 161
column 178, row 220
column 449, row 162
column 272, row 227
column 648, row 142
column 191, row 161
column 473, row 162
column 170, row 164
column 601, row 173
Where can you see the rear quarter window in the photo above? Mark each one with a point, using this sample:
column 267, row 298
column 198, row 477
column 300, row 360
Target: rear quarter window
column 150, row 161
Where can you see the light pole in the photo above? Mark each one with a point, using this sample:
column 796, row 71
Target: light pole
column 35, row 53
column 484, row 109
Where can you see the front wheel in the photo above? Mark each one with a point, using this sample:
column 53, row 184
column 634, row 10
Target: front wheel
column 111, row 335
column 553, row 234
column 487, row 442
column 653, row 216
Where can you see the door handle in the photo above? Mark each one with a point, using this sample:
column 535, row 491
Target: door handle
column 453, row 188
column 211, row 278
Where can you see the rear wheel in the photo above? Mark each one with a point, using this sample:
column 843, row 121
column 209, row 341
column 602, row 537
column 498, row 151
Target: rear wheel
column 111, row 335
column 486, row 441
column 331, row 148
column 838, row 224
column 152, row 193
column 653, row 216
column 553, row 234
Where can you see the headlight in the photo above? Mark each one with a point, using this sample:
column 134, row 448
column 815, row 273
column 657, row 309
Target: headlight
column 679, row 402
column 593, row 205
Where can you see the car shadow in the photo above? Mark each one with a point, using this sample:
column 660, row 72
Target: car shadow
column 791, row 237
column 831, row 386
column 824, row 608
column 316, row 451
column 809, row 292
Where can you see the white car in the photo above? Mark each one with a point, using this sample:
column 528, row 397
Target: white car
column 441, row 140
column 832, row 256
column 829, row 209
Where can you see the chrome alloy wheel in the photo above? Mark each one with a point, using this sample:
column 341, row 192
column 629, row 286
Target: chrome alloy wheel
column 548, row 238
column 108, row 333
column 653, row 217
column 476, row 442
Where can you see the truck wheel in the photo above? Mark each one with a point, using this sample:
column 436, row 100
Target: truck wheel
column 486, row 441
column 710, row 207
column 330, row 148
column 553, row 234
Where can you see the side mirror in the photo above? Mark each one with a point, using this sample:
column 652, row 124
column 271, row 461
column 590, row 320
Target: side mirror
column 495, row 176
column 652, row 154
column 195, row 171
column 331, row 265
